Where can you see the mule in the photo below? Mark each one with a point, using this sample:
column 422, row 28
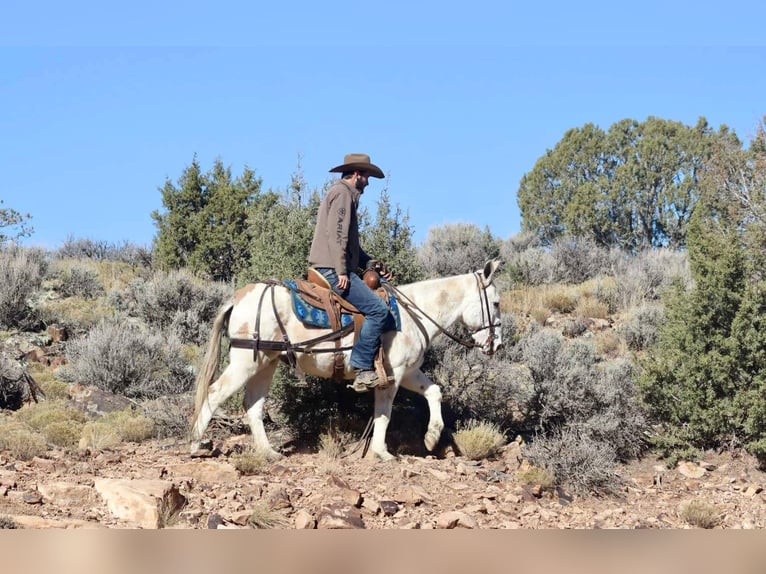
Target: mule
column 427, row 310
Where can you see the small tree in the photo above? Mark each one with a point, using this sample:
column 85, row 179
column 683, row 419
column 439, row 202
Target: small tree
column 281, row 227
column 204, row 226
column 389, row 238
column 705, row 381
column 10, row 219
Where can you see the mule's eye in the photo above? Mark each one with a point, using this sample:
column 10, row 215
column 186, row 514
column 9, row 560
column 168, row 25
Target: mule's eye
column 496, row 304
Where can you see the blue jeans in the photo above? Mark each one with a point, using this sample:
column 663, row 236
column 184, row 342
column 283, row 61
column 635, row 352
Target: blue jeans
column 377, row 318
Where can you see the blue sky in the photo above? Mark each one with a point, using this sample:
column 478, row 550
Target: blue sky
column 99, row 106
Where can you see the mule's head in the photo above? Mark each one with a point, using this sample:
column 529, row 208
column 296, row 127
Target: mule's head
column 482, row 311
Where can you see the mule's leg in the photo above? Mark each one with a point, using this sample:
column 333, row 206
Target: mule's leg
column 255, row 398
column 384, row 400
column 416, row 381
column 231, row 380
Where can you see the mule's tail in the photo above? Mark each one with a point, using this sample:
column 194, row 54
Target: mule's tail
column 209, row 367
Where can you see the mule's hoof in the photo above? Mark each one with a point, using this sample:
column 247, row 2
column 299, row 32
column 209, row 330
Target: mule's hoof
column 273, row 456
column 203, row 450
column 384, row 456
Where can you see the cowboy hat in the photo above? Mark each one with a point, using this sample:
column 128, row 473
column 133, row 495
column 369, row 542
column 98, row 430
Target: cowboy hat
column 358, row 162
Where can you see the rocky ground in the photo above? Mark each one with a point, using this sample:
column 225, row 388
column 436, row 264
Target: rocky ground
column 158, row 485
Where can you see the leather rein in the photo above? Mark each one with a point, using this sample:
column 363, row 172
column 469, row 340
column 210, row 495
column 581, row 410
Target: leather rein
column 486, row 315
column 256, row 343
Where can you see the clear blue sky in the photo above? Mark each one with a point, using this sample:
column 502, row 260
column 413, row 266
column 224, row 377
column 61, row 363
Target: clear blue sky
column 98, row 106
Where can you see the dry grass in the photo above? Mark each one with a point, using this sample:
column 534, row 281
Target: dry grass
column 58, row 422
column 559, row 298
column 334, row 442
column 64, row 433
column 700, row 514
column 609, row 344
column 250, row 462
column 536, row 476
column 263, row 517
column 21, row 442
column 98, row 435
column 589, row 307
column 131, row 427
column 75, row 312
column 478, row 440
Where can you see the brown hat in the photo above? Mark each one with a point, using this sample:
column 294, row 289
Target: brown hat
column 358, row 162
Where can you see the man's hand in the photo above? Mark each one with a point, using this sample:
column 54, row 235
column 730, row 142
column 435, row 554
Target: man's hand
column 381, row 268
column 342, row 282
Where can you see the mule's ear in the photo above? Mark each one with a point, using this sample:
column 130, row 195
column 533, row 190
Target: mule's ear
column 489, row 269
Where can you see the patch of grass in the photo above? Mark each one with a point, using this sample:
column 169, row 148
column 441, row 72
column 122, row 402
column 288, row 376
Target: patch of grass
column 590, row 308
column 21, row 442
column 263, row 517
column 64, row 433
column 130, row 426
column 560, row 299
column 98, row 435
column 39, row 415
column 536, row 476
column 478, row 440
column 52, row 387
column 333, row 442
column 250, row 462
column 77, row 313
column 540, row 314
column 609, row 344
column 700, row 514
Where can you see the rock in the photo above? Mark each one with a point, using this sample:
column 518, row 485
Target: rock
column 205, row 471
column 64, row 494
column 337, row 516
column 752, row 490
column 512, row 457
column 143, row 503
column 388, row 507
column 57, row 334
column 411, row 494
column 32, row 497
column 691, row 469
column 352, row 497
column 214, row 521
column 439, row 474
column 303, row 520
column 95, row 401
column 40, row 523
column 455, row 519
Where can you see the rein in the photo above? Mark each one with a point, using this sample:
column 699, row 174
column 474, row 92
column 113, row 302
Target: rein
column 409, row 305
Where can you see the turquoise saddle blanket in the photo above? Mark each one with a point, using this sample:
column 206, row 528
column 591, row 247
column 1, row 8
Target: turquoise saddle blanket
column 316, row 317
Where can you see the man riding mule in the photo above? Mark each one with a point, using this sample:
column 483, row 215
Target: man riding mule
column 336, row 254
column 261, row 320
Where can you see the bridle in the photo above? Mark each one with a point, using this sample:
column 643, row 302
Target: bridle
column 486, row 317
